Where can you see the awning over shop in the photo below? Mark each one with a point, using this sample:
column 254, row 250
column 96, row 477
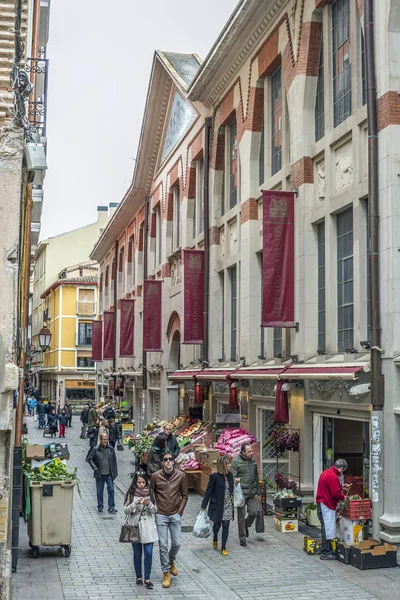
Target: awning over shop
column 184, row 375
column 214, row 374
column 328, row 372
column 258, row 372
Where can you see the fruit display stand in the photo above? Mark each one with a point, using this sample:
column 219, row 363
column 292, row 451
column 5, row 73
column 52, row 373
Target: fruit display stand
column 286, row 516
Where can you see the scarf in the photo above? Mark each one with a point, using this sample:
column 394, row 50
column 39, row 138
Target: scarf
column 142, row 493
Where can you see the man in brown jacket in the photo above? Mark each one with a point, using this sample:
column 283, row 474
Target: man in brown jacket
column 171, row 493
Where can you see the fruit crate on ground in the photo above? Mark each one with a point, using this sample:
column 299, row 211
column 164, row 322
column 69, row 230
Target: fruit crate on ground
column 358, row 510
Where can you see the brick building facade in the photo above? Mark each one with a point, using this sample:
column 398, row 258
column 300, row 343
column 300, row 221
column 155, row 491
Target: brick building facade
column 284, row 89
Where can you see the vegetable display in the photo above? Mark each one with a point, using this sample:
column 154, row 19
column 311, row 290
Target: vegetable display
column 231, row 440
column 56, row 470
column 284, row 493
column 284, row 440
column 283, row 482
column 142, row 445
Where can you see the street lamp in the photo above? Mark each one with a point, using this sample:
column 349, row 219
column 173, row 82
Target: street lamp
column 44, row 338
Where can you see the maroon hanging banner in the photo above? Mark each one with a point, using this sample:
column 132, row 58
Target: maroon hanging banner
column 127, row 325
column 97, row 341
column 152, row 315
column 108, row 336
column 278, row 259
column 193, row 290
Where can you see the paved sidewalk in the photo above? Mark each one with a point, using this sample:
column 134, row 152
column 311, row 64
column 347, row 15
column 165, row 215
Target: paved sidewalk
column 272, row 566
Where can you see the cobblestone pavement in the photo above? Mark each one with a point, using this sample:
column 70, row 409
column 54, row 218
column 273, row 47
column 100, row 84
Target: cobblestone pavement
column 272, row 566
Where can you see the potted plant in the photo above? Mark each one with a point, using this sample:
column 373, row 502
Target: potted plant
column 312, row 516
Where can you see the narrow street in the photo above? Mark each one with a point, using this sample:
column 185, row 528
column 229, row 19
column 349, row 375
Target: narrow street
column 272, row 566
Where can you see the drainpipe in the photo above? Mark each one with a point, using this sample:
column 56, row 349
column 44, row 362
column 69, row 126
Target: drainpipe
column 377, row 380
column 115, row 305
column 206, row 285
column 145, row 262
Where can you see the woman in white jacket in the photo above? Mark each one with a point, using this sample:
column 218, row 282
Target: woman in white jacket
column 140, row 508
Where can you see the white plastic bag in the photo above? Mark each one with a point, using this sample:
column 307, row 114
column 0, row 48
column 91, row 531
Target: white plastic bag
column 238, row 498
column 203, row 526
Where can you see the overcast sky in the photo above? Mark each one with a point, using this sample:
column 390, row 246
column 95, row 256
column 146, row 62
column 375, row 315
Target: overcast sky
column 100, row 59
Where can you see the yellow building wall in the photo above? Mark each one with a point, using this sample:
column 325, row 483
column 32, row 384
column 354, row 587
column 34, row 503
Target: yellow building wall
column 67, row 358
column 68, row 332
column 69, row 300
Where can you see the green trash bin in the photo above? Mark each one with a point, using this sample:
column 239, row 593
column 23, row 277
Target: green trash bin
column 50, row 521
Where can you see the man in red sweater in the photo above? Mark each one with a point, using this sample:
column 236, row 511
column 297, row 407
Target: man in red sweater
column 329, row 493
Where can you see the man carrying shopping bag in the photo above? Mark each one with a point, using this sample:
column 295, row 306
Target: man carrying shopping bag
column 244, row 470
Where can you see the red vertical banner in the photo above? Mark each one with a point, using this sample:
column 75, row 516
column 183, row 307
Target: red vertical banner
column 278, row 259
column 127, row 325
column 152, row 315
column 193, row 296
column 97, row 341
column 108, row 335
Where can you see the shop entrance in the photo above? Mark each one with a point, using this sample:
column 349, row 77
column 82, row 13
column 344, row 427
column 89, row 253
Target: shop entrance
column 343, row 438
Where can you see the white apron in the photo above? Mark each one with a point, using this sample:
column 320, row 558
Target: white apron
column 329, row 517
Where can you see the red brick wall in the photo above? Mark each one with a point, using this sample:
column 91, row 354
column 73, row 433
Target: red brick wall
column 249, row 210
column 169, row 213
column 308, row 59
column 191, row 185
column 268, row 58
column 214, row 236
column 388, row 110
column 218, row 152
column 302, row 171
column 197, row 146
column 166, row 270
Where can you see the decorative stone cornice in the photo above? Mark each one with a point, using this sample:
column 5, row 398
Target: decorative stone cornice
column 208, row 71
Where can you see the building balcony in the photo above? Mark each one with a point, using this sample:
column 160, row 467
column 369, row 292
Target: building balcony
column 86, row 309
column 38, row 68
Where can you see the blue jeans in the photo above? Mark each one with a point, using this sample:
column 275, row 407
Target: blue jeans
column 100, row 481
column 137, row 560
column 171, row 524
column 41, row 421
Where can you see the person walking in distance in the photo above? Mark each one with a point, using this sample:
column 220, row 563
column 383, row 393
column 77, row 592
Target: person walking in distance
column 84, row 421
column 103, row 461
column 154, row 457
column 41, row 412
column 114, row 432
column 171, row 443
column 140, row 508
column 52, row 421
column 62, row 421
column 244, row 470
column 218, row 495
column 68, row 410
column 92, row 416
column 171, row 493
column 329, row 493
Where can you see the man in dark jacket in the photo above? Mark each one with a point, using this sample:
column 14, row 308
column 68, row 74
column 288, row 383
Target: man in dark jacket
column 68, row 410
column 103, row 461
column 41, row 412
column 244, row 470
column 329, row 493
column 84, row 421
column 171, row 443
column 171, row 492
column 92, row 416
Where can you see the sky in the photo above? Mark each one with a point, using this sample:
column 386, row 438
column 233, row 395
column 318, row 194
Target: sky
column 100, row 56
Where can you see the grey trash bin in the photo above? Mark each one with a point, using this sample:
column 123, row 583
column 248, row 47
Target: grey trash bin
column 50, row 523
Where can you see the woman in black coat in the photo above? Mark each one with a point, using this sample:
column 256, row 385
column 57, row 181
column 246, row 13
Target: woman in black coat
column 219, row 494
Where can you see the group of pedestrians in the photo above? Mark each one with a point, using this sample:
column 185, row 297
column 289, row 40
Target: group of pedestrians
column 57, row 421
column 156, row 499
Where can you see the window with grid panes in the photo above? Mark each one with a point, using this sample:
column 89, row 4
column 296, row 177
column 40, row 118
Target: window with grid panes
column 363, row 73
column 261, row 157
column 320, row 97
column 201, row 195
column 321, row 288
column 233, row 159
column 276, row 121
column 345, row 280
column 278, row 342
column 341, row 61
column 233, row 282
column 84, row 334
column 271, row 460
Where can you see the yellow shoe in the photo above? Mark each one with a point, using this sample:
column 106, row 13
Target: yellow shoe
column 167, row 580
column 215, row 545
column 173, row 570
column 224, row 553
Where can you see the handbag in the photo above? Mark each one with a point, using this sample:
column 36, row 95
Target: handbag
column 130, row 533
column 120, row 447
column 260, row 527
